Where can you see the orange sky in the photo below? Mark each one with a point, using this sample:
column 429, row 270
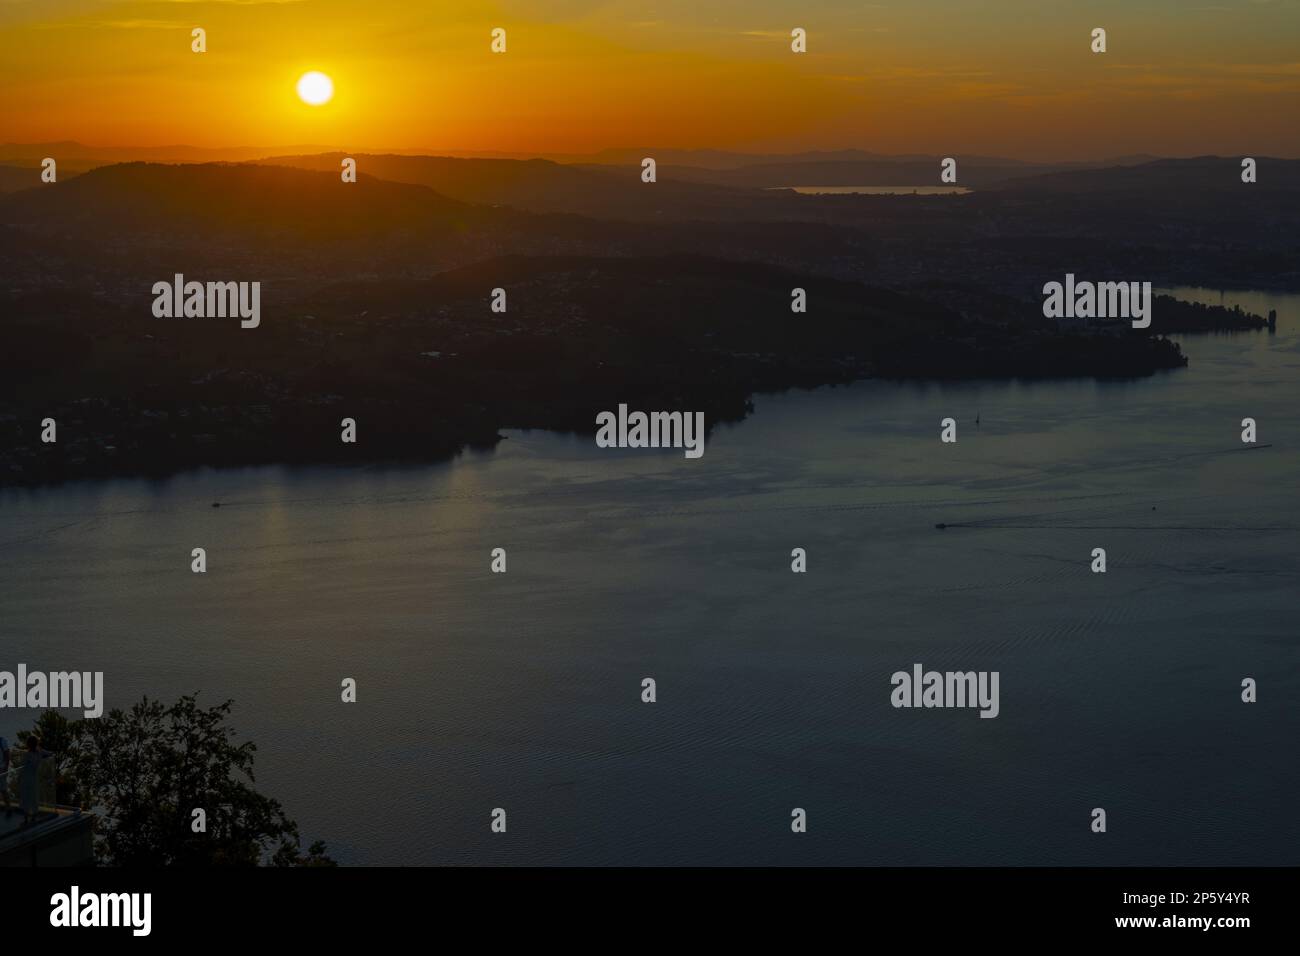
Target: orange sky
column 1002, row 77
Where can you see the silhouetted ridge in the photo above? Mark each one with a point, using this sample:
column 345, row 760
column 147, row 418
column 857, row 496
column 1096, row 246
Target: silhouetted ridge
column 539, row 185
column 1182, row 176
column 252, row 200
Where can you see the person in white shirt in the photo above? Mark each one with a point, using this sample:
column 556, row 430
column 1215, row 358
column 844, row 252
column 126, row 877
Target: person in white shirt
column 4, row 774
column 29, row 791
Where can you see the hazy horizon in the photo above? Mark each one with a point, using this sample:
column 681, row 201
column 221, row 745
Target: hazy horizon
column 832, row 153
column 938, row 77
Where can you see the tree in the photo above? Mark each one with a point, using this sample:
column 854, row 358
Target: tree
column 144, row 772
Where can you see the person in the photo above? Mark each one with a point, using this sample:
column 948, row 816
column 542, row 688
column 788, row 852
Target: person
column 29, row 790
column 4, row 774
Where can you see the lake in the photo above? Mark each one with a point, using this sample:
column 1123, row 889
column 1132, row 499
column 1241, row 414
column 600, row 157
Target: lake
column 522, row 690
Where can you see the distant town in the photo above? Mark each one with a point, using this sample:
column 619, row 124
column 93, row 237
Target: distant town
column 375, row 295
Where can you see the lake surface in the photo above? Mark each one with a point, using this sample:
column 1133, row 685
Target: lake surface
column 877, row 190
column 522, row 691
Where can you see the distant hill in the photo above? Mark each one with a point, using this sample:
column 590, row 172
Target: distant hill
column 539, row 185
column 923, row 171
column 724, row 159
column 1202, row 174
column 694, row 184
column 14, row 178
column 718, row 159
column 86, row 157
column 219, row 198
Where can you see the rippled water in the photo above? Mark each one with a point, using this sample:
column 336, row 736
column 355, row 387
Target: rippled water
column 522, row 690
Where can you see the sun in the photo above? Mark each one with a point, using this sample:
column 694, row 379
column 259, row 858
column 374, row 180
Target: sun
column 315, row 88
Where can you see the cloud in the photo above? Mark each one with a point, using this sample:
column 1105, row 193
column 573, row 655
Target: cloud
column 986, row 90
column 1203, row 80
column 237, row 3
column 141, row 24
column 1261, row 69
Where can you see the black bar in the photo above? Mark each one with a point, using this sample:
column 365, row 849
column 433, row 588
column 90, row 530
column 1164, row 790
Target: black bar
column 482, row 906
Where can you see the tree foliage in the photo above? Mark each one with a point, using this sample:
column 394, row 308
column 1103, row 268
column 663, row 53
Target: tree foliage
column 145, row 770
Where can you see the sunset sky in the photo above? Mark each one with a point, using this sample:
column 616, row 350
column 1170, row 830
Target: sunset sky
column 1003, row 77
